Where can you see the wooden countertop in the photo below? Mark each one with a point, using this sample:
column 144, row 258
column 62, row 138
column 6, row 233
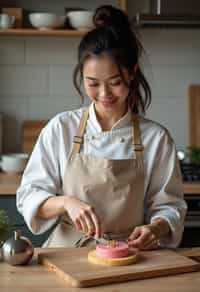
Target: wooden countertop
column 34, row 277
column 191, row 188
column 10, row 182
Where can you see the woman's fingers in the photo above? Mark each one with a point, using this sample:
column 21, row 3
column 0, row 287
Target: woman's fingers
column 89, row 222
column 83, row 216
column 135, row 234
column 142, row 238
column 151, row 245
column 96, row 223
column 92, row 220
column 83, row 223
column 77, row 224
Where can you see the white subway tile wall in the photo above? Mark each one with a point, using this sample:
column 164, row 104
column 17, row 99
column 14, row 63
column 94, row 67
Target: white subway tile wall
column 36, row 79
column 172, row 63
column 51, row 50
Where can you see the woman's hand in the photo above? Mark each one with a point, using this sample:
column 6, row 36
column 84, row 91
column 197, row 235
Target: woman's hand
column 83, row 216
column 146, row 237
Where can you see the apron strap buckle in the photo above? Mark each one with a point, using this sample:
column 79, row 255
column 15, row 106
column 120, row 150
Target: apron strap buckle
column 78, row 139
column 138, row 147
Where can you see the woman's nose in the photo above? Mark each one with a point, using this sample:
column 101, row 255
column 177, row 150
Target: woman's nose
column 104, row 91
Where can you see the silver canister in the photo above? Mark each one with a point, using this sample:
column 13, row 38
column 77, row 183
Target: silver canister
column 17, row 250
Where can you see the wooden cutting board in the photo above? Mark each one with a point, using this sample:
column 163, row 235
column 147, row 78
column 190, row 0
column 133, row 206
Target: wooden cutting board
column 194, row 115
column 73, row 267
column 30, row 133
column 193, row 253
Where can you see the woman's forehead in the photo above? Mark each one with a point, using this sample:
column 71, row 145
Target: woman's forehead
column 100, row 60
column 101, row 66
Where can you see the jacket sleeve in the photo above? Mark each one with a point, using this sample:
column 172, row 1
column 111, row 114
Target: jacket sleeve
column 41, row 180
column 164, row 195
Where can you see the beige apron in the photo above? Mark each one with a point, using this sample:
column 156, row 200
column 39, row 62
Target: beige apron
column 115, row 188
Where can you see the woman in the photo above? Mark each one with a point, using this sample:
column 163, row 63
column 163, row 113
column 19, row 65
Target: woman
column 106, row 169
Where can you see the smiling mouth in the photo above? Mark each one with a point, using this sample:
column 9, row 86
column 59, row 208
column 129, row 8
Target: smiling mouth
column 108, row 101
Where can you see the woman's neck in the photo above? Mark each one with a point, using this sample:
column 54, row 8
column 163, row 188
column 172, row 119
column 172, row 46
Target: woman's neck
column 107, row 120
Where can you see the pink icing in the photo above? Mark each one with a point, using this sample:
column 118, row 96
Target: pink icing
column 107, row 251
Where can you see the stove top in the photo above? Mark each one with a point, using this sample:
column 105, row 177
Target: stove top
column 190, row 171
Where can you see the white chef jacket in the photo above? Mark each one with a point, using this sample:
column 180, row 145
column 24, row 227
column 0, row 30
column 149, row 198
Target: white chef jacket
column 44, row 172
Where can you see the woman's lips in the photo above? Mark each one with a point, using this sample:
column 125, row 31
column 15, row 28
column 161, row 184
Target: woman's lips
column 108, row 102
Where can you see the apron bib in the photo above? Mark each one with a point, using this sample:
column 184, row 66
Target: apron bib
column 115, row 188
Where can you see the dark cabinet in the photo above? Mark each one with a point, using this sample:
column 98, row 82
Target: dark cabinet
column 191, row 237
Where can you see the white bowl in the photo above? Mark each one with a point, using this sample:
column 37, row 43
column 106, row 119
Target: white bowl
column 14, row 163
column 81, row 20
column 46, row 20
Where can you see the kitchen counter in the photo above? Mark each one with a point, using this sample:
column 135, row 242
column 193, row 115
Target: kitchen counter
column 191, row 188
column 34, row 277
column 10, row 182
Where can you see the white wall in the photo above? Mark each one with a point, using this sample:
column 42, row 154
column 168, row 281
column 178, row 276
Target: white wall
column 35, row 81
column 173, row 64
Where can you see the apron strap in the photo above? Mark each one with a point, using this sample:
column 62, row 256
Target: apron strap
column 137, row 141
column 78, row 139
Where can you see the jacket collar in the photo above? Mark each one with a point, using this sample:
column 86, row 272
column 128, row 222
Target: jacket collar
column 123, row 122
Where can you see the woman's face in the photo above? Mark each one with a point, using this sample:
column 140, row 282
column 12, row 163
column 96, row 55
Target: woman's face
column 104, row 85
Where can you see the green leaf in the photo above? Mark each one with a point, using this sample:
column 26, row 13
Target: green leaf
column 193, row 153
column 4, row 224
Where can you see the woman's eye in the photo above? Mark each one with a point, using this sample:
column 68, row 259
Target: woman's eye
column 116, row 83
column 93, row 85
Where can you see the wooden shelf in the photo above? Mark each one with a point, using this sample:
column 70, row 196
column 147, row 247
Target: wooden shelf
column 51, row 32
column 37, row 32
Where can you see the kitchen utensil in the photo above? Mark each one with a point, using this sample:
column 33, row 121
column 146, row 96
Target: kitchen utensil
column 105, row 238
column 17, row 250
column 17, row 12
column 100, row 240
column 30, row 133
column 71, row 264
column 181, row 155
column 44, row 21
column 194, row 116
column 14, row 162
column 81, row 20
column 6, row 21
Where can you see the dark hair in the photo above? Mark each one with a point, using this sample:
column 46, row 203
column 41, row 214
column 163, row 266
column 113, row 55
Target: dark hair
column 113, row 35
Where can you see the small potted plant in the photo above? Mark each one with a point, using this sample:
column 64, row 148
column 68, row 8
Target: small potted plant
column 4, row 226
column 193, row 154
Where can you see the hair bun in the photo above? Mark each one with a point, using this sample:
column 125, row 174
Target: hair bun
column 104, row 16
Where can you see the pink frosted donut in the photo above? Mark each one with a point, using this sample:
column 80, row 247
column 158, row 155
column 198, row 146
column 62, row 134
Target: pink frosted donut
column 120, row 250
